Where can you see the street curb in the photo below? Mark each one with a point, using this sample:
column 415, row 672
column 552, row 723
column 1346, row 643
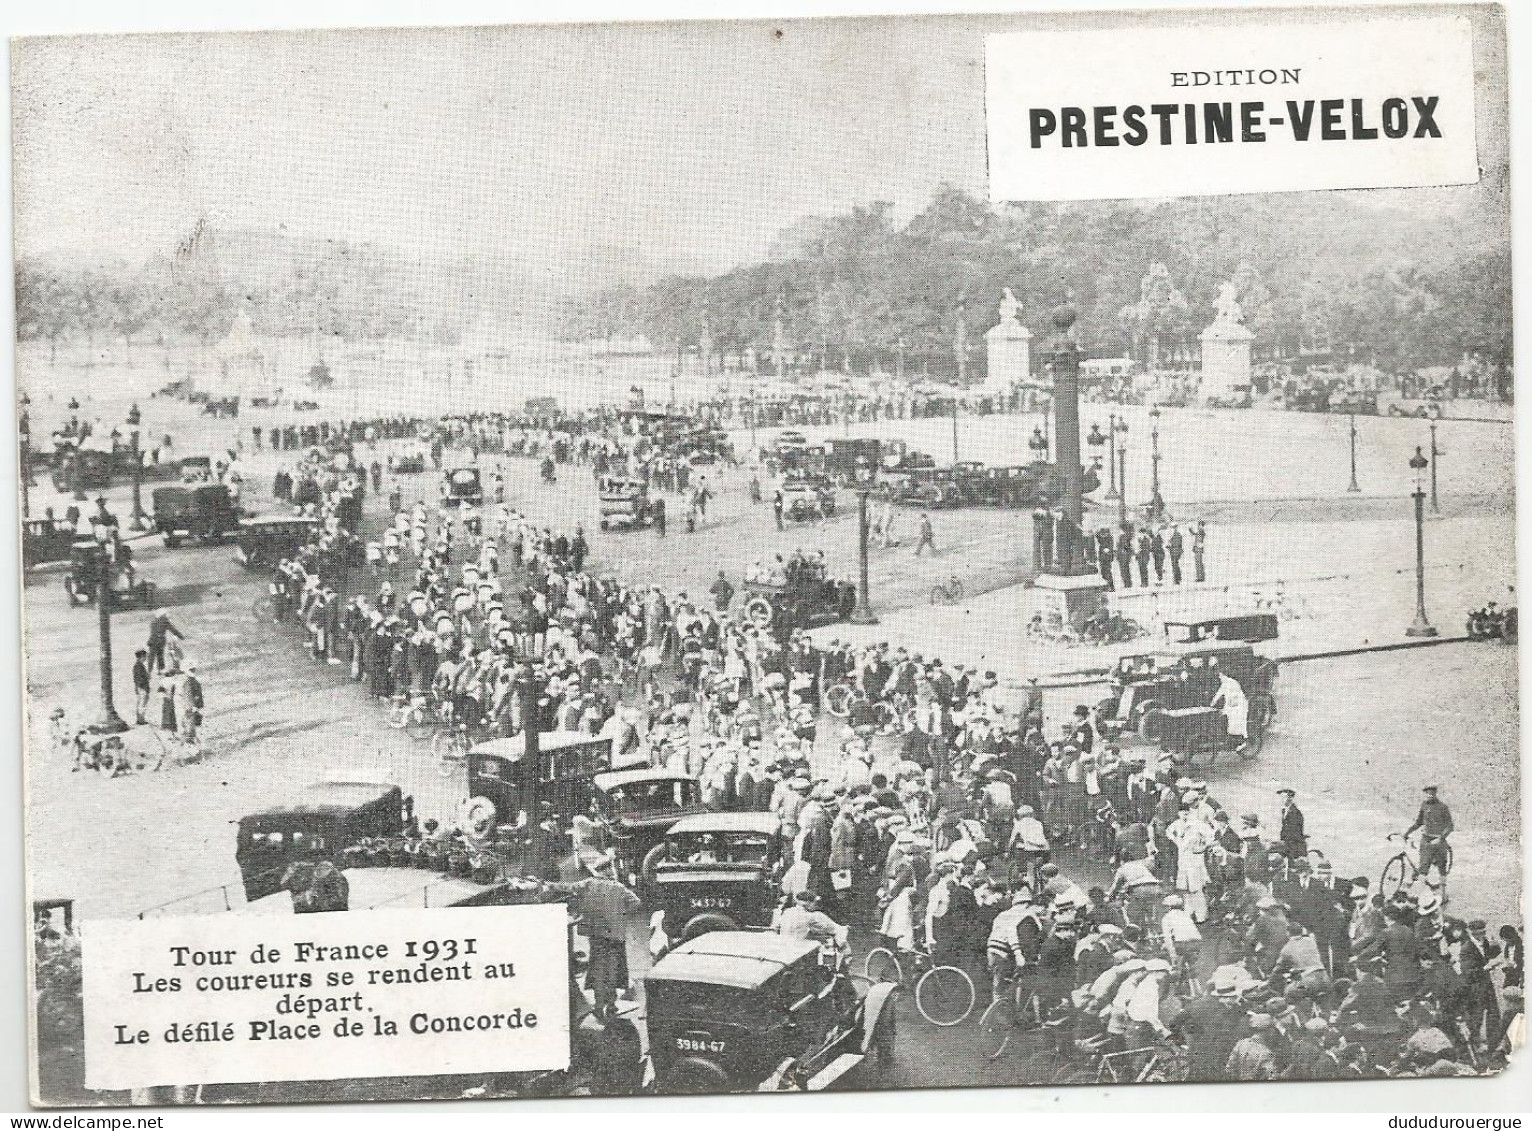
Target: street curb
column 1395, row 647
column 1087, row 677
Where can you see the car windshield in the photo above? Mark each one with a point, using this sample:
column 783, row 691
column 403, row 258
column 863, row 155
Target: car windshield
column 722, row 848
column 680, row 1004
column 464, row 478
column 636, row 797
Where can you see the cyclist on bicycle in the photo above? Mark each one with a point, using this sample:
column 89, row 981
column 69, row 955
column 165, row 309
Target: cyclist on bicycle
column 1015, row 941
column 1434, row 820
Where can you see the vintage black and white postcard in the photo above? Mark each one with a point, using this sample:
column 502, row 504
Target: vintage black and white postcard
column 786, row 556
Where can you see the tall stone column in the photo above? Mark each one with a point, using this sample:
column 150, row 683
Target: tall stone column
column 1071, row 589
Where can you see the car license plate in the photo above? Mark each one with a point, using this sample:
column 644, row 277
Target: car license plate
column 700, row 1042
column 705, row 902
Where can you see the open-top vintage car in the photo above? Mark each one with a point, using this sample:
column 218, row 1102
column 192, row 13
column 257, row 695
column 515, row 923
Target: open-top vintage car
column 802, row 598
column 464, row 488
column 807, row 498
column 715, row 872
column 625, row 503
column 206, row 512
column 1167, row 695
column 742, row 1011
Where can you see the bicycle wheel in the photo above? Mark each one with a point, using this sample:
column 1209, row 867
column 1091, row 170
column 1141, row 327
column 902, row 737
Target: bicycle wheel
column 882, row 717
column 944, row 995
column 418, row 725
column 1043, row 1067
column 881, row 965
column 1398, row 874
column 839, row 698
column 997, row 1025
column 263, row 608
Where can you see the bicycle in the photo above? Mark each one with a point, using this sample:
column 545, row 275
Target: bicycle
column 418, row 717
column 1009, row 1015
column 949, row 592
column 1161, row 1063
column 944, row 995
column 841, row 698
column 264, row 608
column 1401, row 871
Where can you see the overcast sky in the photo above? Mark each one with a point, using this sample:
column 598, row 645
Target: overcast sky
column 554, row 150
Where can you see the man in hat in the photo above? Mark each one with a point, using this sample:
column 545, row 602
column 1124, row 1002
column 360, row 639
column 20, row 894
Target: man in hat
column 1398, row 947
column 1208, row 1025
column 1292, row 833
column 803, row 919
column 1251, row 1058
column 1471, row 953
column 1434, row 820
column 1267, row 935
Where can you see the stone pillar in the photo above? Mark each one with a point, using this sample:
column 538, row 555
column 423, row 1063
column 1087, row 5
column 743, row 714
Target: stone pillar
column 1226, row 351
column 1072, row 589
column 1008, row 346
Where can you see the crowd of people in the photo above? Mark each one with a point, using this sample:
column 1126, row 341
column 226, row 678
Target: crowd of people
column 1101, row 885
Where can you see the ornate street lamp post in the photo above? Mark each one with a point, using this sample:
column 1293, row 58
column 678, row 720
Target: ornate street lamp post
column 1122, row 471
column 1039, row 445
column 1436, row 509
column 1156, row 506
column 111, row 722
column 863, row 613
column 1095, row 438
column 1422, row 626
column 1352, row 488
column 1111, row 449
column 139, row 519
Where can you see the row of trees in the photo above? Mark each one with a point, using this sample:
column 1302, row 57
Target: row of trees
column 1314, row 274
column 196, row 293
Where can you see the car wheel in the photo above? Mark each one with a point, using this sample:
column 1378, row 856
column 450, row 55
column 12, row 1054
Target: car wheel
column 760, row 612
column 880, row 1053
column 693, row 1076
column 1151, row 724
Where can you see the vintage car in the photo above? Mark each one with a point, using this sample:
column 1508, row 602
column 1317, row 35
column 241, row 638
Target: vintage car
column 192, row 469
column 84, row 469
column 86, row 561
column 625, row 504
column 805, row 499
column 802, row 597
column 45, row 540
column 743, row 1011
column 1348, row 403
column 559, row 774
column 464, row 488
column 1167, row 695
column 929, row 487
column 1431, row 406
column 790, row 441
column 328, row 818
column 637, row 808
column 267, row 539
column 205, row 512
column 715, row 872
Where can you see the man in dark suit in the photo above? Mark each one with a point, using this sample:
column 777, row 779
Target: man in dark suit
column 1397, row 945
column 1291, row 833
